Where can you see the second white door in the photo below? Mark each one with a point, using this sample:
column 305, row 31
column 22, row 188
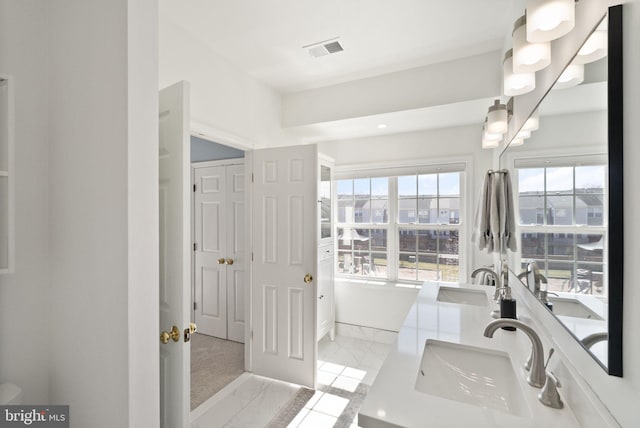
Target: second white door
column 219, row 265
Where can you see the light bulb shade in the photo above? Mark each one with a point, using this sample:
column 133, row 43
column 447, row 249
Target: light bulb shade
column 490, row 144
column 549, row 19
column 594, row 48
column 573, row 75
column 497, row 118
column 516, row 142
column 516, row 83
column 528, row 57
column 490, row 137
column 533, row 123
column 523, row 135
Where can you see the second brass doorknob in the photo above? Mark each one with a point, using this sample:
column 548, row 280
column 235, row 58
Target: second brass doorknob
column 308, row 278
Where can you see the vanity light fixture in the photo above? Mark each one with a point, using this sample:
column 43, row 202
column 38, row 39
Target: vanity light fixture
column 595, row 47
column 523, row 135
column 497, row 118
column 549, row 19
column 533, row 123
column 573, row 75
column 516, row 83
column 489, row 141
column 528, row 57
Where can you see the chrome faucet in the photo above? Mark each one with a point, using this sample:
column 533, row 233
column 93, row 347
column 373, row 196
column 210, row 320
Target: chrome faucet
column 593, row 338
column 496, row 278
column 486, row 270
column 537, row 375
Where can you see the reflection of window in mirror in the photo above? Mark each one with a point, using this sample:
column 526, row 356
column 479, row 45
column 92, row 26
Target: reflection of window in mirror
column 562, row 224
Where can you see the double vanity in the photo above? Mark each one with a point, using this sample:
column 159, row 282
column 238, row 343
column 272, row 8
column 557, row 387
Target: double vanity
column 444, row 371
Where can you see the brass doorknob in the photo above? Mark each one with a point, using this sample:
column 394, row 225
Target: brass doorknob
column 308, row 278
column 221, row 261
column 189, row 331
column 229, row 261
column 173, row 334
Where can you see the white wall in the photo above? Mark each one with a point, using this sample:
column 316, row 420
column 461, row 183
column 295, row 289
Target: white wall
column 103, row 211
column 433, row 85
column 24, row 295
column 438, row 144
column 143, row 222
column 228, row 105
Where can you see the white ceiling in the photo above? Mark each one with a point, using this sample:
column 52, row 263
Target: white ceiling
column 265, row 37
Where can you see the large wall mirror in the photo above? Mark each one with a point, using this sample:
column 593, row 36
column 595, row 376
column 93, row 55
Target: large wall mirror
column 568, row 193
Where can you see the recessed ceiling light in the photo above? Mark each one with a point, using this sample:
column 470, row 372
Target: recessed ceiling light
column 382, row 126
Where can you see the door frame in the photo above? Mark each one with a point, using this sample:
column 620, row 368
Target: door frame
column 215, row 135
column 206, row 164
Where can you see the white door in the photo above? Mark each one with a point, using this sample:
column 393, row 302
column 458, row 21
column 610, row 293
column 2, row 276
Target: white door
column 210, row 251
column 175, row 255
column 236, row 270
column 219, row 230
column 284, row 245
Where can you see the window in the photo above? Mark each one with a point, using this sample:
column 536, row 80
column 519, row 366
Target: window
column 400, row 228
column 363, row 217
column 562, row 224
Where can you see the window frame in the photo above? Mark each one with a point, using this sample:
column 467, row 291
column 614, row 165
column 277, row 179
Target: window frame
column 392, row 172
column 555, row 161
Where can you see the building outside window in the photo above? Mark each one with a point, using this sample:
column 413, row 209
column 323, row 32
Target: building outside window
column 562, row 224
column 402, row 228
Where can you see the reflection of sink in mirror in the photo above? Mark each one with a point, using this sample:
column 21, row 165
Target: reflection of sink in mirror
column 462, row 296
column 568, row 307
column 472, row 375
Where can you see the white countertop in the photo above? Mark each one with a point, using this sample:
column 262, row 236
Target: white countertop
column 393, row 400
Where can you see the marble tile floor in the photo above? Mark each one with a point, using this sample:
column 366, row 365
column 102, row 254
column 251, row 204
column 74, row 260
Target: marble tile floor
column 346, row 369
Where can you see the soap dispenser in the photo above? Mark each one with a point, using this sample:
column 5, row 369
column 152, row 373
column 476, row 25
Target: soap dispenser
column 507, row 307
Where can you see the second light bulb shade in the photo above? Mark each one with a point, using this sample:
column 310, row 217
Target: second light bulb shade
column 516, row 83
column 528, row 57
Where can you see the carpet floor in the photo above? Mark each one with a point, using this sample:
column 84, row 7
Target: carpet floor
column 214, row 364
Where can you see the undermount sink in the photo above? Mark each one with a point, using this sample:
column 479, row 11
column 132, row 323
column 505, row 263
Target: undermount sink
column 472, row 375
column 462, row 296
column 569, row 307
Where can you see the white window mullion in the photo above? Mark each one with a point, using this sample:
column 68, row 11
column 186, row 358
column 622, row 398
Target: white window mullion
column 392, row 231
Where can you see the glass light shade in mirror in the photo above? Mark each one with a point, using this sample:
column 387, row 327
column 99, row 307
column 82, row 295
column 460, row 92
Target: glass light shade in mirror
column 594, row 48
column 516, row 142
column 549, row 19
column 497, row 118
column 572, row 76
column 532, row 123
column 528, row 57
column 523, row 135
column 515, row 83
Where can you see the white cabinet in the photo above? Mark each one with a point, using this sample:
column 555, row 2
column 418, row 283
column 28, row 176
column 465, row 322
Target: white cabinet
column 326, row 303
column 6, row 174
column 326, row 314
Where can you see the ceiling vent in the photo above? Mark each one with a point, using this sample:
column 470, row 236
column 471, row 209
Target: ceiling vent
column 325, row 47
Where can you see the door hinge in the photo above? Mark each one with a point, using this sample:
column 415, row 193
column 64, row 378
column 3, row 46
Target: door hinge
column 194, row 187
column 252, row 177
column 251, row 334
column 195, row 247
column 195, row 306
column 252, row 256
